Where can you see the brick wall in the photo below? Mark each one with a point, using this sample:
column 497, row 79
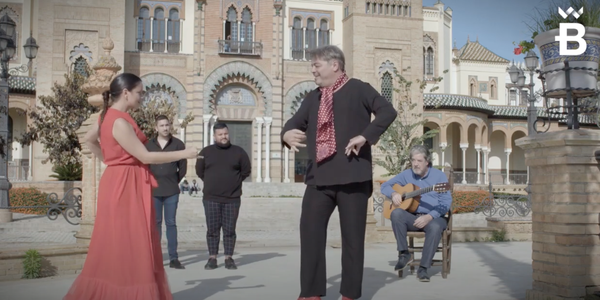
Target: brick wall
column 565, row 206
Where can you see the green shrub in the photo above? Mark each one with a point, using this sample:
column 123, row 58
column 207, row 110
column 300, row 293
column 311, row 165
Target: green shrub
column 28, row 197
column 68, row 172
column 32, row 264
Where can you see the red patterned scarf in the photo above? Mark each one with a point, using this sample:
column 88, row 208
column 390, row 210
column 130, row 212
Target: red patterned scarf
column 326, row 145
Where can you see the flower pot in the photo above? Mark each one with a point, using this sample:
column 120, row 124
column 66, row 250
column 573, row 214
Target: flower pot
column 552, row 60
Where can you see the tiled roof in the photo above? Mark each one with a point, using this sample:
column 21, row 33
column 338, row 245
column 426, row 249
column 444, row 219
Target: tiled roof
column 514, row 111
column 456, row 101
column 476, row 52
column 448, row 101
column 21, row 84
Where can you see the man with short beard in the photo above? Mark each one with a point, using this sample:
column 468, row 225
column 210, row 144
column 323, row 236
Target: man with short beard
column 222, row 167
column 168, row 176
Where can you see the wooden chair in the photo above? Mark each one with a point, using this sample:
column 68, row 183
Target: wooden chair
column 446, row 242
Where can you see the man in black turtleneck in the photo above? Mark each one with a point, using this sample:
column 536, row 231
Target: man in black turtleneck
column 222, row 167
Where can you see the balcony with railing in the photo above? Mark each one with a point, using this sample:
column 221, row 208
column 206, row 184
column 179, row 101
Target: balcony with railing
column 159, row 46
column 231, row 47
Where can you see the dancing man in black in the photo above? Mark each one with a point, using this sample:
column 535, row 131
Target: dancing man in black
column 339, row 170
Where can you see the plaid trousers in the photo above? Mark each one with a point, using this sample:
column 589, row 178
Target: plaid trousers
column 219, row 215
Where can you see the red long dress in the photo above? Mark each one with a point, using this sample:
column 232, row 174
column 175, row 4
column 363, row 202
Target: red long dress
column 124, row 259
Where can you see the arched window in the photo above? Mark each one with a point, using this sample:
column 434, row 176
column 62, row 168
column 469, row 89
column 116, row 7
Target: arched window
column 143, row 30
column 81, row 66
column 428, row 142
column 246, row 34
column 174, row 32
column 493, row 90
column 158, row 30
column 297, row 39
column 231, row 31
column 387, row 86
column 473, row 89
column 429, row 62
column 323, row 33
column 311, row 36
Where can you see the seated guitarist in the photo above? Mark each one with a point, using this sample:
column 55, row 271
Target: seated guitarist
column 428, row 216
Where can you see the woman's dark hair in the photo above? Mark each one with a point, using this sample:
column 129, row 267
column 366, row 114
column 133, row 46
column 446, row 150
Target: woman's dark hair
column 122, row 81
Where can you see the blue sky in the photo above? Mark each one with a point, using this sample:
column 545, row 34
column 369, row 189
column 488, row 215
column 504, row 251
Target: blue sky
column 497, row 23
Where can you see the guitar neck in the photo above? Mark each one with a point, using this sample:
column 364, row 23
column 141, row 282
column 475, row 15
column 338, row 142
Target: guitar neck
column 419, row 192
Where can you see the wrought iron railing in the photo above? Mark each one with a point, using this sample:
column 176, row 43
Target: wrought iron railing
column 490, row 205
column 494, row 177
column 240, row 48
column 144, row 45
column 69, row 206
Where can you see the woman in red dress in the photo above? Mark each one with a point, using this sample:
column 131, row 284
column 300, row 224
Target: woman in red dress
column 124, row 259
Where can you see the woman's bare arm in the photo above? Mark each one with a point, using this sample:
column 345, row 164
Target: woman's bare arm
column 91, row 141
column 125, row 136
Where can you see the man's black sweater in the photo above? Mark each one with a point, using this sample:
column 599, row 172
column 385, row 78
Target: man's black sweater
column 223, row 168
column 167, row 175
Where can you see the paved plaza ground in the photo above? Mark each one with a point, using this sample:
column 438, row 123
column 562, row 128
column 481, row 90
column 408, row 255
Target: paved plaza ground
column 259, row 225
column 491, row 271
column 268, row 260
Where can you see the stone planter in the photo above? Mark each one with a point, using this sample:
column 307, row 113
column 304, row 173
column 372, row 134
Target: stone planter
column 552, row 60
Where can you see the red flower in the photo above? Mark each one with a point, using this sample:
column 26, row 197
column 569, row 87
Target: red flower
column 519, row 50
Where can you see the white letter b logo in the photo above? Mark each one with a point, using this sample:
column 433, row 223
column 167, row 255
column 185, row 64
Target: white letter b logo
column 563, row 38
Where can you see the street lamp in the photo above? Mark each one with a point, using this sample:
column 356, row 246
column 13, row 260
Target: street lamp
column 7, row 51
column 517, row 76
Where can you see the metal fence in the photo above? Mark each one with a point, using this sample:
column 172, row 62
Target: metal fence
column 69, row 206
column 492, row 205
column 471, row 177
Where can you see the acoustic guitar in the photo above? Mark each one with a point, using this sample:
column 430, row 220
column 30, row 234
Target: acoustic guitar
column 411, row 196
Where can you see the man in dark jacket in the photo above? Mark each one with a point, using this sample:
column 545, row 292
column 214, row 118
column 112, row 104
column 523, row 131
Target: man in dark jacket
column 339, row 172
column 168, row 176
column 222, row 167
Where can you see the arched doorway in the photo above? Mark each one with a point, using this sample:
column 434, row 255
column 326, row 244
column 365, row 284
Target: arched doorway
column 229, row 99
column 294, row 98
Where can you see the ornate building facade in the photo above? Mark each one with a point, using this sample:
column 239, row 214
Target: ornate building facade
column 246, row 63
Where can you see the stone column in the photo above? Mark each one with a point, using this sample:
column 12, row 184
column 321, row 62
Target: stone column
column 166, row 34
column 485, row 153
column 30, row 167
column 212, row 126
column 259, row 125
column 507, row 151
column 286, row 165
column 268, row 121
column 478, row 149
column 151, row 34
column 464, row 148
column 565, row 183
column 443, row 148
column 104, row 71
column 206, row 137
